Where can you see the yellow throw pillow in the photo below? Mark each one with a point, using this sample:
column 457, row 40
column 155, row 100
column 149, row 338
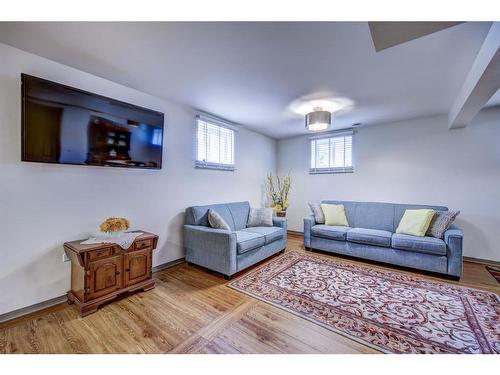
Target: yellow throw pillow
column 334, row 214
column 415, row 222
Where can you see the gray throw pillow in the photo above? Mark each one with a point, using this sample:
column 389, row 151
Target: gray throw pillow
column 317, row 211
column 216, row 221
column 260, row 217
column 441, row 222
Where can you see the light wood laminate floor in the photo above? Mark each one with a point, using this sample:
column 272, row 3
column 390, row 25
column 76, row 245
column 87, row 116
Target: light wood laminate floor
column 190, row 311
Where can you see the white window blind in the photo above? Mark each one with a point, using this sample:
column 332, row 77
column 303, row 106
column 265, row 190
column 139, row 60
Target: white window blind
column 331, row 154
column 214, row 144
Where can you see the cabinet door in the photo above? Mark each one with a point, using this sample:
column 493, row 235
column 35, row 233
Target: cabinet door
column 137, row 266
column 104, row 276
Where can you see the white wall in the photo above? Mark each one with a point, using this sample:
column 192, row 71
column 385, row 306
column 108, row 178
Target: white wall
column 42, row 205
column 417, row 161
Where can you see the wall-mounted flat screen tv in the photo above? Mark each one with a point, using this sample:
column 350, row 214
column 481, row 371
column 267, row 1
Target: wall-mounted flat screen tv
column 65, row 125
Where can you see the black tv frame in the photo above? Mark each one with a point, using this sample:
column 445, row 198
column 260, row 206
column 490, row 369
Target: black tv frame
column 133, row 106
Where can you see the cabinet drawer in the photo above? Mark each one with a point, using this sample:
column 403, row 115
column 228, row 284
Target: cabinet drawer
column 99, row 254
column 143, row 244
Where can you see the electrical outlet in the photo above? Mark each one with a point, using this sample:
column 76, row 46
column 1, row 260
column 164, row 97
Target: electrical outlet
column 65, row 258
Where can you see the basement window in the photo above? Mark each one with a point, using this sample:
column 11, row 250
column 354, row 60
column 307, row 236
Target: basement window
column 331, row 153
column 214, row 144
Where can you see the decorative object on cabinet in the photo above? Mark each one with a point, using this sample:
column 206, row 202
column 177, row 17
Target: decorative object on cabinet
column 114, row 225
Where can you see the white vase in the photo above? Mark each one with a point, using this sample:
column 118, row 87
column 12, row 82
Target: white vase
column 115, row 234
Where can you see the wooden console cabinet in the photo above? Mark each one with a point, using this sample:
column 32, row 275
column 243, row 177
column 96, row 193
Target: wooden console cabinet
column 100, row 272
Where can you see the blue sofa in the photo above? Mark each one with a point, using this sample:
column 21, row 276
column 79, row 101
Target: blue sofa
column 229, row 252
column 372, row 236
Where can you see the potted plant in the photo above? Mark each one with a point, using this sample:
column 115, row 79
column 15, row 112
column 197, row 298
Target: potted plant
column 277, row 191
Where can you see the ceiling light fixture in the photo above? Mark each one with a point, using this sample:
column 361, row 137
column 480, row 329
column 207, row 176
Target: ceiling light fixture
column 328, row 102
column 318, row 120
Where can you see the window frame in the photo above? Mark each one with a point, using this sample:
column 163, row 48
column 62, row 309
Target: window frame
column 200, row 164
column 331, row 170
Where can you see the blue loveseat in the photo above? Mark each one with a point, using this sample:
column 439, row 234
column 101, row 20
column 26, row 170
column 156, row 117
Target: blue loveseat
column 371, row 235
column 228, row 252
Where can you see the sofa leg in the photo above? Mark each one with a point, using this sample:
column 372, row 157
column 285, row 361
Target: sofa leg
column 227, row 277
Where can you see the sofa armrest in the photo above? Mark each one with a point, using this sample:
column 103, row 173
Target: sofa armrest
column 212, row 248
column 453, row 232
column 309, row 222
column 453, row 238
column 280, row 222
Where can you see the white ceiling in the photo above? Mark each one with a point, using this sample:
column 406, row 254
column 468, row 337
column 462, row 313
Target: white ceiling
column 249, row 72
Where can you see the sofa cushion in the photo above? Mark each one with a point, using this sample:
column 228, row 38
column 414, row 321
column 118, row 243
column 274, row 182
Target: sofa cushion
column 370, row 236
column 415, row 222
column 334, row 214
column 270, row 234
column 260, row 217
column 374, row 215
column 239, row 212
column 428, row 245
column 330, row 232
column 246, row 241
column 216, row 221
column 441, row 221
column 317, row 211
column 234, row 214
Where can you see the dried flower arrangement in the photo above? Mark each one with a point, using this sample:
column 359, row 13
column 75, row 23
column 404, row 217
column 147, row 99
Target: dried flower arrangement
column 278, row 189
column 114, row 224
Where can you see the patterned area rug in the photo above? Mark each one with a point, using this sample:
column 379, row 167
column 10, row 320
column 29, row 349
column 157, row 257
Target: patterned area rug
column 390, row 311
column 495, row 272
